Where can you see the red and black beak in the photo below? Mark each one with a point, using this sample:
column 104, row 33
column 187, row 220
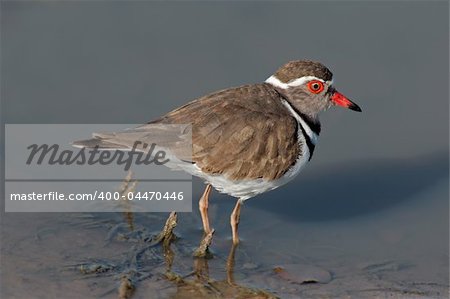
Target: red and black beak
column 339, row 99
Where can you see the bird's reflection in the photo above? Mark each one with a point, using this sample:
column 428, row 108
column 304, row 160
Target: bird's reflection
column 169, row 256
column 230, row 265
column 201, row 269
column 200, row 284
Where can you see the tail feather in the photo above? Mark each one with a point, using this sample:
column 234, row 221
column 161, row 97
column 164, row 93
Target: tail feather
column 99, row 143
column 170, row 138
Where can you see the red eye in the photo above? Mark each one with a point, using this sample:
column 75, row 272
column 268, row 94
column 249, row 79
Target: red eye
column 315, row 86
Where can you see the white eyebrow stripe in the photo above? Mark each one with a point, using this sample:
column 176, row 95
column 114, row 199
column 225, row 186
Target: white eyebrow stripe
column 297, row 82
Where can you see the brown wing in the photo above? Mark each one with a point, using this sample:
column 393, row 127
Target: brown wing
column 243, row 133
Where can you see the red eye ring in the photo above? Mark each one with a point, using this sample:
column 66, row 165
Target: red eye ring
column 315, row 86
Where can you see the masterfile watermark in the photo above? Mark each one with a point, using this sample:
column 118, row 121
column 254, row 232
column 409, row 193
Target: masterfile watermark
column 45, row 172
column 52, row 154
column 98, row 195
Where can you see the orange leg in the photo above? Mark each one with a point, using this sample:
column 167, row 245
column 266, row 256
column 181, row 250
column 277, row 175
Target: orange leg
column 203, row 207
column 234, row 221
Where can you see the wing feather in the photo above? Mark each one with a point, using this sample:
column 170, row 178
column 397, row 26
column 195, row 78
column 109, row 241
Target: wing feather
column 242, row 133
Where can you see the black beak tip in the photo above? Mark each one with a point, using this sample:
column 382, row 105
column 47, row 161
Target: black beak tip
column 354, row 107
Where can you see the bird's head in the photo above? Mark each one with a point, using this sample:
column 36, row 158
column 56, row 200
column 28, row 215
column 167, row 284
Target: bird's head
column 308, row 86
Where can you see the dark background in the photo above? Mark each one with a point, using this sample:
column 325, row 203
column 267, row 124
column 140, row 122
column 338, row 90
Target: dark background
column 130, row 62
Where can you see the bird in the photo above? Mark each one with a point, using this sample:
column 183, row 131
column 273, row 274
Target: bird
column 250, row 139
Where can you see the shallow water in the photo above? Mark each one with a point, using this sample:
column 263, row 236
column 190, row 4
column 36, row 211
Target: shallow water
column 394, row 243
